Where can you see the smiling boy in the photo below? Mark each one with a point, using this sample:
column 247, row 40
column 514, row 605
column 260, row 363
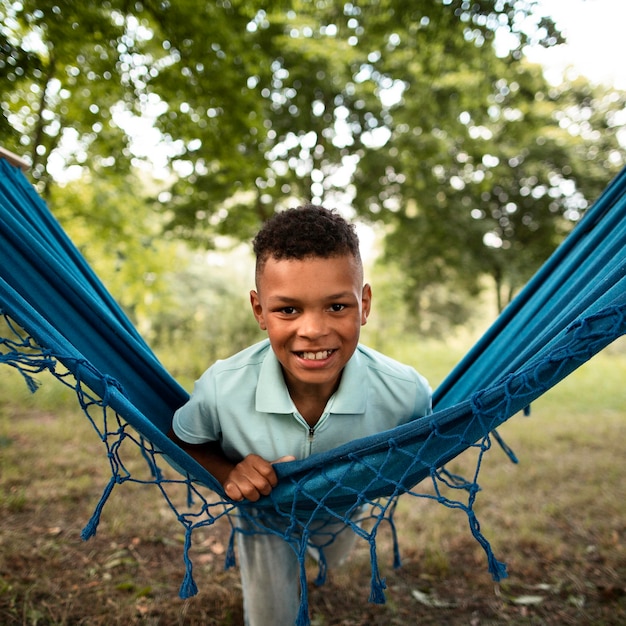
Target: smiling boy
column 308, row 388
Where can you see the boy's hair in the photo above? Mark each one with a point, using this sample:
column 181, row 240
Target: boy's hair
column 304, row 232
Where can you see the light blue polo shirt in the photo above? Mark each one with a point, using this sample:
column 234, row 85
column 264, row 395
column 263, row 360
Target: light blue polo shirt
column 243, row 402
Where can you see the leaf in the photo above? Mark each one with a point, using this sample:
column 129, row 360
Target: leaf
column 546, row 587
column 431, row 600
column 578, row 601
column 528, row 600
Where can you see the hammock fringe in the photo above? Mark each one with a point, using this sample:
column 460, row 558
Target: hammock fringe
column 91, row 527
column 188, row 587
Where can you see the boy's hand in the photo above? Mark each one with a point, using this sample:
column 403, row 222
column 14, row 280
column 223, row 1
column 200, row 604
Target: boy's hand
column 252, row 478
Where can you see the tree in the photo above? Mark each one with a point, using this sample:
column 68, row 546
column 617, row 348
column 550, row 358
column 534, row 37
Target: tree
column 378, row 105
column 190, row 309
column 68, row 67
column 282, row 105
column 497, row 195
column 403, row 111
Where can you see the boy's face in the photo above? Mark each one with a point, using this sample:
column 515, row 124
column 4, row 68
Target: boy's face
column 312, row 310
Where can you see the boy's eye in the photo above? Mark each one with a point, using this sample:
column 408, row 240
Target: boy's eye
column 335, row 308
column 288, row 310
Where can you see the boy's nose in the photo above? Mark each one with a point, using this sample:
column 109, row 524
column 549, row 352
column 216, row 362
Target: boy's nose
column 312, row 326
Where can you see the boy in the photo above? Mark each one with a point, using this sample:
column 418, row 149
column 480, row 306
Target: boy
column 307, row 388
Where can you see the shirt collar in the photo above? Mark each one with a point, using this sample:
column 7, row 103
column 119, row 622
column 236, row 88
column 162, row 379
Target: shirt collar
column 351, row 397
column 272, row 395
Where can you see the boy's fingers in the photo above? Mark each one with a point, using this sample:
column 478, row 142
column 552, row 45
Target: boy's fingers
column 284, row 459
column 241, row 490
column 253, row 477
column 233, row 492
column 250, row 479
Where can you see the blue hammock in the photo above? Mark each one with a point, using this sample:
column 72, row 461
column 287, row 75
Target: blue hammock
column 59, row 318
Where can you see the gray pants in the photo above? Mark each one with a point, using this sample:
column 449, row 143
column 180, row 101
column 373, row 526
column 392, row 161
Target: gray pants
column 270, row 572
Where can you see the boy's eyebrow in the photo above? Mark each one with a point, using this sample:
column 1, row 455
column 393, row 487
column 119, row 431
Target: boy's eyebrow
column 341, row 295
column 335, row 296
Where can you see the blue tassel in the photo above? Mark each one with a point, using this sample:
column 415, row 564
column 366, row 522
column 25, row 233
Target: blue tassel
column 31, row 383
column 303, row 614
column 497, row 569
column 92, row 525
column 322, row 569
column 303, row 611
column 507, row 450
column 378, row 585
column 303, row 617
column 230, row 560
column 397, row 559
column 188, row 587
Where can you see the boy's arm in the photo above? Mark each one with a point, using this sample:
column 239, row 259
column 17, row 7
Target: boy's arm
column 251, row 478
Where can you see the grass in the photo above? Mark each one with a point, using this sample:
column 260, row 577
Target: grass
column 558, row 519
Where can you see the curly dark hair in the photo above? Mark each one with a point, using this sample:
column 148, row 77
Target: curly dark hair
column 303, row 232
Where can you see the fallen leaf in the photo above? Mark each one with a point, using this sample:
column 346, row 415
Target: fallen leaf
column 577, row 601
column 430, row 600
column 527, row 600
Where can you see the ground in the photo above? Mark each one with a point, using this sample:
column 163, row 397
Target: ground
column 119, row 578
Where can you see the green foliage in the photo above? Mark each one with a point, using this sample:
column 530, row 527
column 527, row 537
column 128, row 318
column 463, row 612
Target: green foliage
column 191, row 305
column 70, row 66
column 116, row 229
column 485, row 170
column 400, row 112
column 212, row 318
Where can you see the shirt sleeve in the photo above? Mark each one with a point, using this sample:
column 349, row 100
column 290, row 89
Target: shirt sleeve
column 197, row 421
column 423, row 398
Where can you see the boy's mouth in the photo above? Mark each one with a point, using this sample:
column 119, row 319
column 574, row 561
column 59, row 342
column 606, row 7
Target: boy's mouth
column 320, row 355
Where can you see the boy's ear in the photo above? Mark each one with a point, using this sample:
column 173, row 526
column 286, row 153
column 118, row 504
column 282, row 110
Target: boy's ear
column 257, row 309
column 366, row 303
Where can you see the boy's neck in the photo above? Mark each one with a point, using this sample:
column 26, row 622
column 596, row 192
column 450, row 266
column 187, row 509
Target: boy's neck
column 311, row 410
column 311, row 400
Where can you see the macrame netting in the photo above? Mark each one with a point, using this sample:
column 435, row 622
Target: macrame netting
column 58, row 318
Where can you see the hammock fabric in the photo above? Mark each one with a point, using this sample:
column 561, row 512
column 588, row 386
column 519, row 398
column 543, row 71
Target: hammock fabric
column 59, row 318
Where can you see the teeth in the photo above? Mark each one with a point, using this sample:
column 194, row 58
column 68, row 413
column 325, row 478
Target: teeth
column 316, row 356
